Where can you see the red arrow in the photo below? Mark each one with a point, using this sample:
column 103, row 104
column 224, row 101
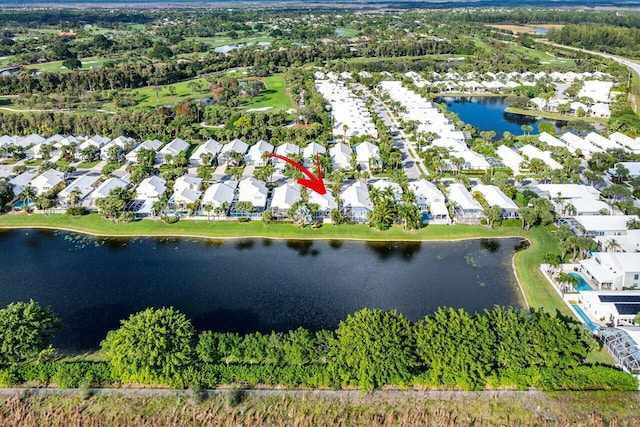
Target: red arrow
column 314, row 183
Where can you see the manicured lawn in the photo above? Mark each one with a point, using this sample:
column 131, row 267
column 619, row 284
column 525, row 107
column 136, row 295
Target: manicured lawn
column 87, row 165
column 217, row 42
column 147, row 97
column 6, row 60
column 275, row 95
column 553, row 115
column 348, row 32
column 56, row 66
column 544, row 57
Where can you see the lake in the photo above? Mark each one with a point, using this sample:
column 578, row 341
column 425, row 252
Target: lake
column 247, row 285
column 487, row 113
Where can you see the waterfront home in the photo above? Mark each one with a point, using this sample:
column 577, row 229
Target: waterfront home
column 574, row 143
column 466, row 208
column 355, row 201
column 366, row 154
column 149, row 144
column 326, row 202
column 573, row 199
column 20, row 182
column 430, row 201
column 220, row 193
column 186, row 191
column 510, row 158
column 385, row 185
column 256, row 154
column 83, row 186
column 211, row 147
column 284, row 197
column 627, row 242
column 104, row 188
column 151, row 188
column 549, row 139
column 601, row 225
column 341, row 155
column 496, row 197
column 254, row 191
column 600, row 110
column 172, row 149
column 613, row 270
column 596, row 90
column 616, row 308
column 47, row 181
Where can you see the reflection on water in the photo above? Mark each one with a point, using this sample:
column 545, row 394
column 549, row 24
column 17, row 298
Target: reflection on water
column 249, row 284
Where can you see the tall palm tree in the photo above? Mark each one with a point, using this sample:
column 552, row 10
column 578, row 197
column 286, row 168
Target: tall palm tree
column 613, row 245
column 27, row 195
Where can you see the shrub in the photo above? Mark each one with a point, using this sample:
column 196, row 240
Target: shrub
column 77, row 211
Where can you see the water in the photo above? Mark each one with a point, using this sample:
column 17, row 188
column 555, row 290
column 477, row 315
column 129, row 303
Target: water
column 247, row 285
column 540, row 31
column 582, row 285
column 585, row 319
column 487, row 113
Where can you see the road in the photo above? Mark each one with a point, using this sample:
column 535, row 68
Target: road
column 409, row 161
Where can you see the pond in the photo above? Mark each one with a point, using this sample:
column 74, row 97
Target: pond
column 487, row 113
column 247, row 285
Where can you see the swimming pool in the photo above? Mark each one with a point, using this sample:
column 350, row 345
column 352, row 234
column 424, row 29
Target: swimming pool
column 582, row 285
column 585, row 319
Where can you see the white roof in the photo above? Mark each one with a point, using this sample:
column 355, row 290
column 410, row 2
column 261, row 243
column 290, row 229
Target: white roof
column 341, row 155
column 258, row 149
column 570, row 191
column 186, row 195
column 600, row 141
column 175, row 147
column 366, row 151
column 219, row 193
column 535, row 153
column 34, row 138
column 108, row 185
column 356, row 195
column 596, row 90
column 428, row 194
column 254, row 191
column 286, row 149
column 510, row 158
column 98, row 140
column 211, row 146
column 494, row 196
column 605, row 223
column 20, row 182
column 382, row 184
column 459, row 194
column 187, row 181
column 236, row 145
column 632, row 167
column 285, row 196
column 326, row 201
column 589, row 206
column 312, row 149
column 47, row 180
column 151, row 187
column 83, row 183
column 551, row 140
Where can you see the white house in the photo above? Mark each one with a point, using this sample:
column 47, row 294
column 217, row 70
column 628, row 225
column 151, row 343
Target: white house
column 597, row 90
column 383, row 185
column 83, row 185
column 220, row 193
column 549, row 139
column 326, row 202
column 173, row 149
column 105, row 187
column 255, row 155
column 496, row 197
column 284, row 197
column 532, row 152
column 20, row 182
column 47, row 181
column 236, row 145
column 584, row 198
column 310, row 151
column 151, row 188
column 29, row 140
column 466, row 208
column 356, row 203
column 287, row 150
column 430, row 201
column 254, row 191
column 603, row 225
column 210, row 146
column 366, row 152
column 510, row 158
column 600, row 141
column 632, row 167
column 613, row 270
column 150, row 144
column 341, row 156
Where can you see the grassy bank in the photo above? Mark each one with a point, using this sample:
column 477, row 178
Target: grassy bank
column 593, row 409
column 553, row 116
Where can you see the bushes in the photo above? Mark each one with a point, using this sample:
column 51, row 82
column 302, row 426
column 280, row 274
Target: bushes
column 77, row 211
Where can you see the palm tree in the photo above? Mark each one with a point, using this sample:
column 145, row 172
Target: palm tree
column 208, row 207
column 613, row 245
column 74, row 197
column 27, row 195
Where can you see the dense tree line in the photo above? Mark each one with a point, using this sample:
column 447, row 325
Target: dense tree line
column 603, row 38
column 541, row 16
column 370, row 349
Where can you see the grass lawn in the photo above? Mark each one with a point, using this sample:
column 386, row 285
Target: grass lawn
column 348, row 32
column 274, row 96
column 87, row 165
column 56, row 66
column 214, row 42
column 544, row 57
column 6, row 60
column 553, row 115
column 147, row 97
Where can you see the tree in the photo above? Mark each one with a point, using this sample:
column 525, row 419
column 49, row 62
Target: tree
column 493, row 214
column 372, row 348
column 72, row 63
column 26, row 329
column 27, row 195
column 6, row 193
column 113, row 205
column 529, row 217
column 160, row 51
column 152, row 346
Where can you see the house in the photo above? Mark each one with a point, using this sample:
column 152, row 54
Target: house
column 496, row 197
column 341, row 156
column 149, row 144
column 632, row 167
column 601, row 225
column 366, row 153
column 105, row 188
column 600, row 110
column 287, row 150
column 284, row 197
column 510, row 158
column 83, row 186
column 211, row 147
column 255, row 155
column 236, row 146
column 187, row 181
column 430, row 201
column 253, row 191
column 122, row 142
column 326, row 202
column 186, row 190
column 220, row 193
column 98, row 140
column 600, row 141
column 627, row 242
column 549, row 139
column 573, row 199
column 531, row 152
column 47, row 181
column 596, row 90
column 625, row 142
column 384, row 185
column 575, row 143
column 310, row 152
column 20, row 182
column 613, row 270
column 355, row 201
column 466, row 208
column 29, row 140
column 151, row 188
column 173, row 149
